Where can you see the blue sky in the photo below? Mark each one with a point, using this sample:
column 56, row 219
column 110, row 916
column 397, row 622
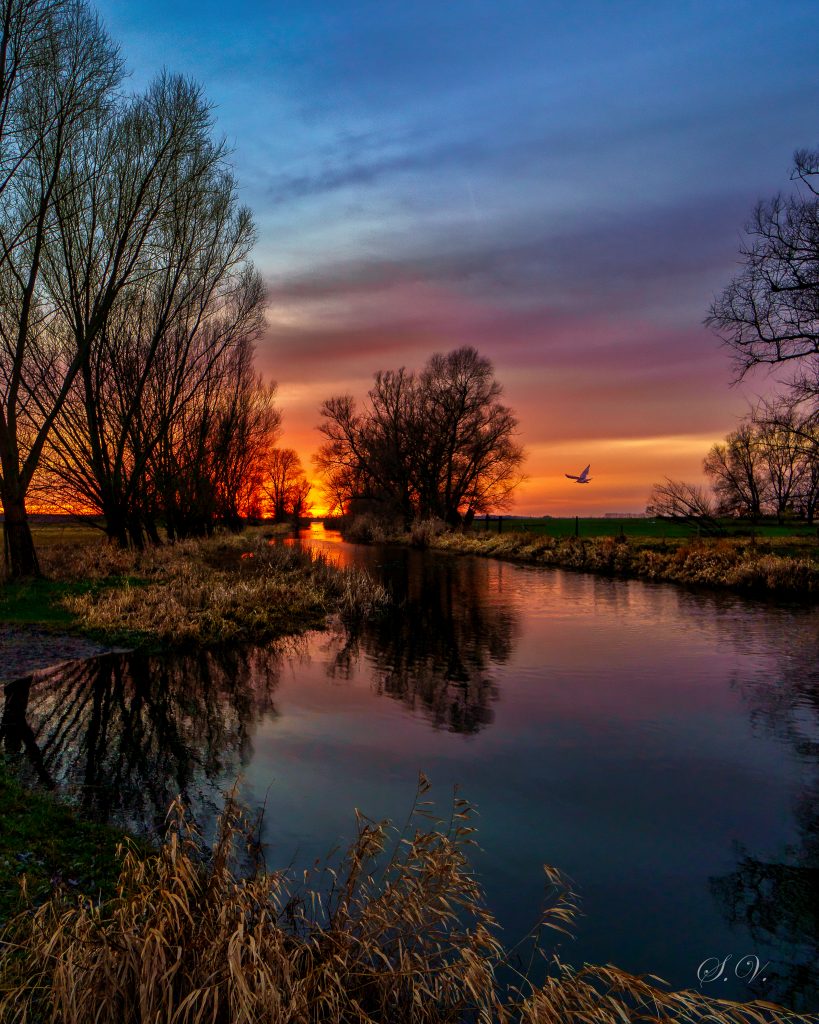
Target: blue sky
column 562, row 185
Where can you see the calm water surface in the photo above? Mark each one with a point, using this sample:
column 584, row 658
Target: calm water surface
column 660, row 747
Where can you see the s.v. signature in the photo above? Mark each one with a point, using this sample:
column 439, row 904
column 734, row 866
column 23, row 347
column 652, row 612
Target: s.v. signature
column 746, row 968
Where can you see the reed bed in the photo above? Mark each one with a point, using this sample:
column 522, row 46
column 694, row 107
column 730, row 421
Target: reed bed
column 736, row 564
column 229, row 589
column 397, row 933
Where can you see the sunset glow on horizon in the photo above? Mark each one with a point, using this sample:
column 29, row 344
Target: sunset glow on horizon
column 562, row 188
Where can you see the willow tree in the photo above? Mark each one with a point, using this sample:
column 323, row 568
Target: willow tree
column 153, row 278
column 58, row 74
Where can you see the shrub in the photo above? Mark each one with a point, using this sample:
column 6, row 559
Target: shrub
column 364, row 529
column 424, row 531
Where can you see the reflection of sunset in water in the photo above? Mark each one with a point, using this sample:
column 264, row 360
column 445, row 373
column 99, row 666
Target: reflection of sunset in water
column 636, row 735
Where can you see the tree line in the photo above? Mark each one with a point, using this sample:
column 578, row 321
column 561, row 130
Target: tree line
column 129, row 305
column 769, row 316
column 767, row 467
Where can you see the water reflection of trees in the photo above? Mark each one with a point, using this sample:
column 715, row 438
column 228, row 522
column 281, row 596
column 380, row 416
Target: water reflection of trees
column 127, row 733
column 777, row 900
column 434, row 648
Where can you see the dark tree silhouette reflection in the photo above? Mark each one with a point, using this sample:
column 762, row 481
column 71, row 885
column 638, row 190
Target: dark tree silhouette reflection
column 777, row 899
column 434, row 647
column 125, row 734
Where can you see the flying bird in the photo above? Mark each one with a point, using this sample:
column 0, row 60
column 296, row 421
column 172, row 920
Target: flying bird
column 584, row 478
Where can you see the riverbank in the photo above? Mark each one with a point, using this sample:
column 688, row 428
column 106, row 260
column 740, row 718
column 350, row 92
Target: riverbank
column 379, row 938
column 786, row 567
column 229, row 589
column 47, row 846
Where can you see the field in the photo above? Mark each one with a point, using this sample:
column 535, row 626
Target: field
column 656, row 528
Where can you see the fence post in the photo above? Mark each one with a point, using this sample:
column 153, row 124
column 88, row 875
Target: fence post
column 577, row 526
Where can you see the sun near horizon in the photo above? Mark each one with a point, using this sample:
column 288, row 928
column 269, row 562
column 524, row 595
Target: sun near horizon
column 563, row 189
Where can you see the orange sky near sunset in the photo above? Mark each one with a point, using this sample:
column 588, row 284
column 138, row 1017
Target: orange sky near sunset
column 562, row 187
column 634, row 418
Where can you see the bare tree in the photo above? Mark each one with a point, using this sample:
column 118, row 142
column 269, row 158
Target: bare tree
column 769, row 313
column 684, row 502
column 781, row 452
column 737, row 470
column 286, row 486
column 58, row 70
column 440, row 443
column 246, row 428
column 790, row 434
column 468, row 460
column 155, row 293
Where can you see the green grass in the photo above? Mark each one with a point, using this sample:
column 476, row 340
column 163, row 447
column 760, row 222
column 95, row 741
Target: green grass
column 656, row 528
column 47, row 535
column 49, row 843
column 42, row 602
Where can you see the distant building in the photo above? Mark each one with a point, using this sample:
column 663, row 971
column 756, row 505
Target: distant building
column 626, row 515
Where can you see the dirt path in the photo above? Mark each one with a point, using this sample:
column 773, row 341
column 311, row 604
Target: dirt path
column 24, row 650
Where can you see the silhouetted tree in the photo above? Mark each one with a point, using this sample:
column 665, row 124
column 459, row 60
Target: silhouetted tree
column 58, row 72
column 783, row 454
column 680, row 501
column 737, row 470
column 246, row 427
column 285, row 485
column 144, row 274
column 769, row 465
column 791, row 431
column 437, row 444
column 210, row 463
column 769, row 313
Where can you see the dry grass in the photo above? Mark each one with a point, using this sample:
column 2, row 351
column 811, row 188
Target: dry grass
column 230, row 589
column 398, row 934
column 735, row 564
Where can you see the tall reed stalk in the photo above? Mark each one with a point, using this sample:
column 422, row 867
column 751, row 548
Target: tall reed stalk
column 398, row 933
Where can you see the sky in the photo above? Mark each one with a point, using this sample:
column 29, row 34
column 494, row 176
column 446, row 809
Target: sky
column 563, row 186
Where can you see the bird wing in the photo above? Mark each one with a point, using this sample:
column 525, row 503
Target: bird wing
column 585, row 471
column 570, row 477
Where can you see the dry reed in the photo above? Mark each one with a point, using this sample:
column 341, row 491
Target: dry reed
column 398, row 934
column 231, row 589
column 734, row 564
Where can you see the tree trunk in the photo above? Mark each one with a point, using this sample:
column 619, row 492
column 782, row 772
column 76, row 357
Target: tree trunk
column 152, row 532
column 115, row 527
column 18, row 544
column 136, row 534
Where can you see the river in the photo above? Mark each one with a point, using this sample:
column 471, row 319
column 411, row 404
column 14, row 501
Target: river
column 659, row 746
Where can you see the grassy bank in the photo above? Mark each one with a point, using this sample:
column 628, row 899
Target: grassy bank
column 48, row 843
column 785, row 566
column 226, row 590
column 229, row 589
column 397, row 933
